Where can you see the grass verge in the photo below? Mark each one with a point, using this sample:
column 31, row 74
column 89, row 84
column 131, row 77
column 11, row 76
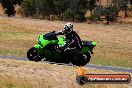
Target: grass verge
column 26, row 74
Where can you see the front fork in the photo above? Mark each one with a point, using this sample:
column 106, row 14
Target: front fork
column 39, row 48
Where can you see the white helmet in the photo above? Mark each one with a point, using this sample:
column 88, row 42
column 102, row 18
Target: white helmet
column 68, row 28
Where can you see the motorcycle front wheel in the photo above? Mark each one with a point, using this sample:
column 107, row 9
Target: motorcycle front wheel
column 32, row 55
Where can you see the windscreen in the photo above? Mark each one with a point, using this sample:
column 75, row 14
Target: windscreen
column 50, row 36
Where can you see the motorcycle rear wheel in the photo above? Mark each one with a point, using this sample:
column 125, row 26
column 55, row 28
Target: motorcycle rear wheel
column 32, row 55
column 81, row 60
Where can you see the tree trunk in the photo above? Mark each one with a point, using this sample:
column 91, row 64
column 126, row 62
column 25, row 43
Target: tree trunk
column 126, row 15
column 62, row 17
column 107, row 19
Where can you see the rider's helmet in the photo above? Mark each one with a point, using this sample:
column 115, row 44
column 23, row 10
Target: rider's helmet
column 68, row 28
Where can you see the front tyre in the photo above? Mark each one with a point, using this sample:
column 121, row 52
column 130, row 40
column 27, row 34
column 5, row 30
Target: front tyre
column 81, row 59
column 32, row 55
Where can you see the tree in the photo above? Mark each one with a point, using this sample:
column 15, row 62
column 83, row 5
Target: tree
column 60, row 8
column 72, row 10
column 91, row 5
column 76, row 10
column 122, row 5
column 8, row 6
column 29, row 7
column 82, row 5
column 69, row 15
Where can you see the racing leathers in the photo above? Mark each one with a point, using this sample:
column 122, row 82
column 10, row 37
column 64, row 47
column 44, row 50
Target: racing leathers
column 73, row 41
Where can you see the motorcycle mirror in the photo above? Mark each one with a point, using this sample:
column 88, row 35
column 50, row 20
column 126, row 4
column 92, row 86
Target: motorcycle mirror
column 53, row 31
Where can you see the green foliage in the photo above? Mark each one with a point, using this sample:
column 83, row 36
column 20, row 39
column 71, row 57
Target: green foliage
column 60, row 6
column 76, row 10
column 91, row 4
column 29, row 7
column 80, row 16
column 69, row 9
column 94, row 17
column 110, row 13
column 104, row 11
column 69, row 15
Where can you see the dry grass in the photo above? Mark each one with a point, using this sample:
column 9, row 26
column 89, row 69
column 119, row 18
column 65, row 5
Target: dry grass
column 114, row 43
column 21, row 74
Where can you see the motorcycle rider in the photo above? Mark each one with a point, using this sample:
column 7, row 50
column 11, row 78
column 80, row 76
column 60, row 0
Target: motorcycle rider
column 73, row 41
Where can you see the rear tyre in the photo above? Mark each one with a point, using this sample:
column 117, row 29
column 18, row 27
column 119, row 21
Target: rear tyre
column 81, row 59
column 32, row 55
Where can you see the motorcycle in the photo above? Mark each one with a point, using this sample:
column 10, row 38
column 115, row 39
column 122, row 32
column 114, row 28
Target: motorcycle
column 48, row 49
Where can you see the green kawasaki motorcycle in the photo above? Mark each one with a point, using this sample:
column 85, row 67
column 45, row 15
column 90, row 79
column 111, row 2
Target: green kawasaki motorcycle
column 48, row 49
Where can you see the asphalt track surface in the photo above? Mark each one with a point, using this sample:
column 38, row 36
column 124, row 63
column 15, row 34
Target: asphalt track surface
column 116, row 69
